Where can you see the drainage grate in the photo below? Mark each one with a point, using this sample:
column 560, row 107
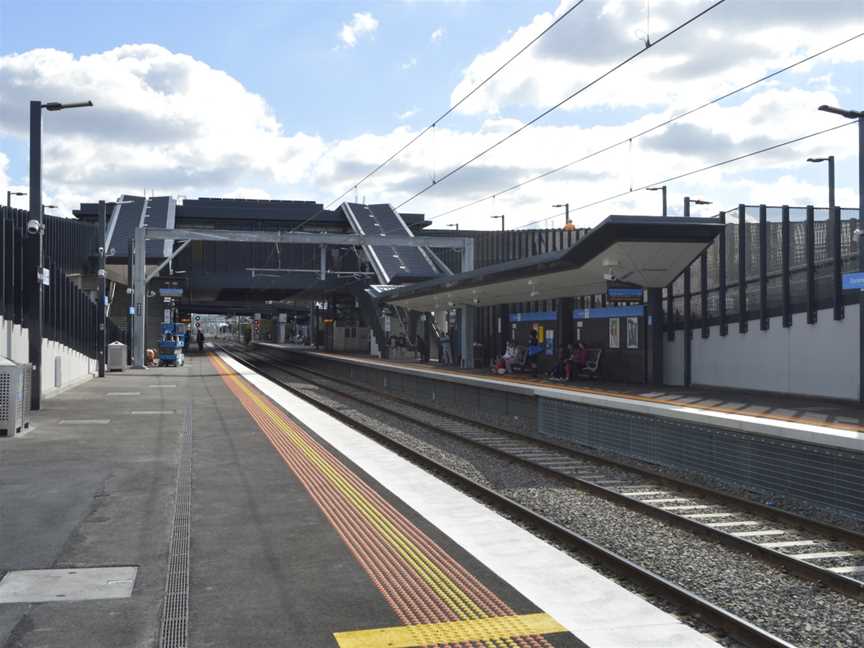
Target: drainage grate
column 175, row 609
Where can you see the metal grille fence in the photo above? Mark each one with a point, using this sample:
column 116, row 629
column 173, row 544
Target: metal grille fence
column 69, row 313
column 811, row 473
column 811, row 278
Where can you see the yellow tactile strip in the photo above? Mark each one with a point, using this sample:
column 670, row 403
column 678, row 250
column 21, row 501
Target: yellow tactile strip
column 432, row 594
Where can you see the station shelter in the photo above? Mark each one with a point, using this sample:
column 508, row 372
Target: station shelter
column 628, row 259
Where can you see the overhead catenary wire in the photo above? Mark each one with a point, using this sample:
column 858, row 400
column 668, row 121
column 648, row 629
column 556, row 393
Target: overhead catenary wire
column 651, row 129
column 445, row 114
column 700, row 170
column 555, row 107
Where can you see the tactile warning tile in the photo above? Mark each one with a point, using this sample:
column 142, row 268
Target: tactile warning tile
column 55, row 585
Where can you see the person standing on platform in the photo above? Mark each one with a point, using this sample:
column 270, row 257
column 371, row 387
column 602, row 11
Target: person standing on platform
column 200, row 340
column 422, row 349
column 186, row 341
column 534, row 351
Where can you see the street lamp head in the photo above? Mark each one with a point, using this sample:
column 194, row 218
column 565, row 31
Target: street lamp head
column 849, row 114
column 54, row 106
column 822, row 159
column 656, row 188
column 697, row 201
column 557, row 206
column 17, row 193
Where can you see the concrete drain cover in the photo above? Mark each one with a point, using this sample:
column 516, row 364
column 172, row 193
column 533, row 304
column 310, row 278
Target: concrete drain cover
column 42, row 585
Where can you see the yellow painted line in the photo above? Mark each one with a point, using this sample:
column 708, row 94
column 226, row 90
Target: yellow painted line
column 448, row 591
column 451, row 632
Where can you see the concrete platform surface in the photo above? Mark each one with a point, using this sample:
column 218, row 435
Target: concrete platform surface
column 303, row 532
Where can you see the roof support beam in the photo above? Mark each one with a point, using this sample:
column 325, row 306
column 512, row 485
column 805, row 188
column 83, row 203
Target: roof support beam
column 298, row 238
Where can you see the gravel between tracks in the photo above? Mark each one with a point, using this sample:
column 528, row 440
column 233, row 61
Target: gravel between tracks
column 799, row 611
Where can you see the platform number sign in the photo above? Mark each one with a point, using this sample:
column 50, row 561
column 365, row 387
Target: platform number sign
column 853, row 281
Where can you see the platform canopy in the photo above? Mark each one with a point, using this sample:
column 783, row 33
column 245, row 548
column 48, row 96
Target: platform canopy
column 646, row 251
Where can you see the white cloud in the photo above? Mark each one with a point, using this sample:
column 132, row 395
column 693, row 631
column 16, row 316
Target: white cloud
column 161, row 120
column 733, row 43
column 169, row 122
column 410, row 63
column 408, row 114
column 361, row 23
column 437, row 35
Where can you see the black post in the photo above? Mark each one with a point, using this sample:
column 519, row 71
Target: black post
column 721, row 279
column 742, row 269
column 763, row 268
column 861, row 256
column 665, row 210
column 131, row 303
column 32, row 267
column 786, row 278
column 670, row 313
column 688, row 334
column 810, row 249
column 837, row 255
column 655, row 335
column 100, row 313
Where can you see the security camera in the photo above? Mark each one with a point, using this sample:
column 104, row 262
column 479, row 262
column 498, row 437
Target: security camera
column 33, row 227
column 609, row 276
column 101, row 249
column 857, row 234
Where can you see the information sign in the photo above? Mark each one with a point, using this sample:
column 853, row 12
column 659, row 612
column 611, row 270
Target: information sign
column 853, row 281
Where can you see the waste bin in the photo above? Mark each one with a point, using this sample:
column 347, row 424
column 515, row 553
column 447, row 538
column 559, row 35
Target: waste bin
column 116, row 356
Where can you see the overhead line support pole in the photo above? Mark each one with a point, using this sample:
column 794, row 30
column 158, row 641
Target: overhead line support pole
column 139, row 270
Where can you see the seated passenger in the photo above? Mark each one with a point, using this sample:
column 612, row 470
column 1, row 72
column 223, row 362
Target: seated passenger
column 509, row 354
column 535, row 349
column 559, row 371
column 577, row 361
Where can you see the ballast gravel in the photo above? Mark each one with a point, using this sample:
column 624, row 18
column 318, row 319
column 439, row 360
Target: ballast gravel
column 799, row 611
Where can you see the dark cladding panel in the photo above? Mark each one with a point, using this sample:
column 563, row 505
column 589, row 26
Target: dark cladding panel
column 397, row 263
column 121, row 229
column 156, row 216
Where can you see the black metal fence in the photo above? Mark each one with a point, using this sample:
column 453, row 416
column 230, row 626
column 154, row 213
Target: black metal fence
column 770, row 262
column 69, row 313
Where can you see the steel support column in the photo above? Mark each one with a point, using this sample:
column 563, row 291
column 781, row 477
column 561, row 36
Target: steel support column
column 139, row 271
column 100, row 326
column 810, row 255
column 785, row 251
column 655, row 336
column 763, row 268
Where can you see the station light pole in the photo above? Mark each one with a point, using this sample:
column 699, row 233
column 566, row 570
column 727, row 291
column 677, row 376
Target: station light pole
column 9, row 195
column 830, row 161
column 663, row 189
column 688, row 331
column 33, row 253
column 858, row 115
column 501, row 216
column 566, row 207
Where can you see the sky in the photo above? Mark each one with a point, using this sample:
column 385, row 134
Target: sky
column 300, row 100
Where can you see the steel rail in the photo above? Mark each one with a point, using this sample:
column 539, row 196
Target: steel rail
column 689, row 602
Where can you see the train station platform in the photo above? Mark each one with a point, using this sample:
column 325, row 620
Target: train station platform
column 806, row 449
column 207, row 506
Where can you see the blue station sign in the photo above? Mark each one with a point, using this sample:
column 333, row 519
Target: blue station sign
column 853, row 281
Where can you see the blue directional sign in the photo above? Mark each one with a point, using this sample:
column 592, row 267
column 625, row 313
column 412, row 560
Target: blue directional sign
column 853, row 281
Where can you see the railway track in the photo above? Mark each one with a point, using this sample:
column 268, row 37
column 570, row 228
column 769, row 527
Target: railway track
column 810, row 549
column 685, row 600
